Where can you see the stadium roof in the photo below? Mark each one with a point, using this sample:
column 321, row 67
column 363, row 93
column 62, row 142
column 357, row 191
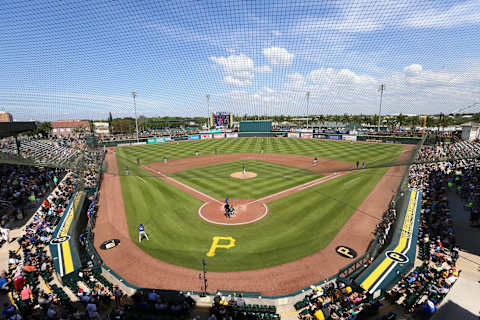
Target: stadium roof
column 82, row 59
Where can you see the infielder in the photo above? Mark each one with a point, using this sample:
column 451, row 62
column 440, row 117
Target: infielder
column 141, row 233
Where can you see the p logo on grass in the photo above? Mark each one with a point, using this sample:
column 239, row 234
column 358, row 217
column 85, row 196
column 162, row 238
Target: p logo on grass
column 216, row 244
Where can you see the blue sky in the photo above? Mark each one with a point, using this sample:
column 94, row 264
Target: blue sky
column 81, row 59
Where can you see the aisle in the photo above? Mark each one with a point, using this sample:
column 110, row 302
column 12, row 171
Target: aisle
column 462, row 301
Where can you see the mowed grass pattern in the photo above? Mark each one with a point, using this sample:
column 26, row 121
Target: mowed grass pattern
column 215, row 180
column 372, row 154
column 296, row 226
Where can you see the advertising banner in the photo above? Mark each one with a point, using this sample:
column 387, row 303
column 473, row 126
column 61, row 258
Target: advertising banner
column 179, row 138
column 218, row 135
column 206, row 136
column 152, row 140
column 307, row 135
column 232, row 135
column 334, row 137
column 294, row 135
column 349, row 138
column 194, row 137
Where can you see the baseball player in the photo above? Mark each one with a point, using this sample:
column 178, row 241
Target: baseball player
column 141, row 233
column 126, row 170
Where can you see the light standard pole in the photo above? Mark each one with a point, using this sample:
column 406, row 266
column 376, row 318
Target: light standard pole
column 208, row 111
column 381, row 89
column 134, row 95
column 308, row 100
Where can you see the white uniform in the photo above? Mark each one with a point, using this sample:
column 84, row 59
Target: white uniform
column 142, row 233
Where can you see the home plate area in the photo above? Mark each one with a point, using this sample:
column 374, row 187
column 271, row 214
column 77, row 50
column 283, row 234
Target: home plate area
column 246, row 211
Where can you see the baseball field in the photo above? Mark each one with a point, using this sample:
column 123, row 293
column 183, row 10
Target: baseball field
column 290, row 209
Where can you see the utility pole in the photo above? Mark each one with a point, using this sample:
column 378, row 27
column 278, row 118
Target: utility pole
column 208, row 110
column 308, row 100
column 381, row 89
column 134, row 95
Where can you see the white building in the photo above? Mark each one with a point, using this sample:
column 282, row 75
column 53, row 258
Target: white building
column 101, row 128
column 470, row 131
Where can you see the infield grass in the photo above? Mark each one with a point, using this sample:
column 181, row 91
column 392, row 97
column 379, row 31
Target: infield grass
column 215, row 180
column 296, row 226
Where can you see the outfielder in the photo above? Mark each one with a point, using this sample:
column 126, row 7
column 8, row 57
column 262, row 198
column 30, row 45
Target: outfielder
column 141, row 233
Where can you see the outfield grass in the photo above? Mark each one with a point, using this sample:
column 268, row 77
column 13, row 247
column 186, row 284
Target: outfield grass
column 372, row 154
column 215, row 180
column 296, row 226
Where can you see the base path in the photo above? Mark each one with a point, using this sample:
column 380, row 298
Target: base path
column 143, row 270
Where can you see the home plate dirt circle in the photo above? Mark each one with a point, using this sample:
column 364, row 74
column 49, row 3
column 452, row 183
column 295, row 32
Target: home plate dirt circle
column 241, row 175
column 246, row 211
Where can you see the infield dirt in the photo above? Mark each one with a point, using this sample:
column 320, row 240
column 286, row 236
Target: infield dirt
column 143, row 270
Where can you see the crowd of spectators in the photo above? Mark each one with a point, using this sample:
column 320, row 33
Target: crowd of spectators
column 337, row 300
column 425, row 287
column 30, row 263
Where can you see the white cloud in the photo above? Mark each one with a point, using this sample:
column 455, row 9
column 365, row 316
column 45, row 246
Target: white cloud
column 339, row 77
column 238, row 69
column 236, row 81
column 413, row 70
column 264, row 69
column 464, row 13
column 278, row 56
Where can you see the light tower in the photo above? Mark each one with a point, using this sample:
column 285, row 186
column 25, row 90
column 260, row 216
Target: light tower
column 208, row 110
column 381, row 89
column 308, row 100
column 134, row 95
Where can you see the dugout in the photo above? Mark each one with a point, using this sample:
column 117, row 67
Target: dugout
column 256, row 128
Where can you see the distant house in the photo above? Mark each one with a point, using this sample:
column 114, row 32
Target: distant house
column 470, row 131
column 70, row 128
column 5, row 116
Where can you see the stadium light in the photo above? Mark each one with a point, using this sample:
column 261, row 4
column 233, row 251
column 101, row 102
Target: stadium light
column 381, row 89
column 208, row 111
column 134, row 95
column 308, row 99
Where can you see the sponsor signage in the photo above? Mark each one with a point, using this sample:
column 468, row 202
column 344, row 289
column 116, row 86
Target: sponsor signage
column 232, row 135
column 334, row 137
column 159, row 140
column 218, row 135
column 307, row 135
column 349, row 138
column 346, row 252
column 180, row 138
column 206, row 136
column 294, row 135
column 194, row 137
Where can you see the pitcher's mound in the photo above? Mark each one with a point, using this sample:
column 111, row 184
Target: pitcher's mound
column 241, row 175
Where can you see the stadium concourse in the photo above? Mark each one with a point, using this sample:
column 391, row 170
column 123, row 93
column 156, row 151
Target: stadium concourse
column 441, row 282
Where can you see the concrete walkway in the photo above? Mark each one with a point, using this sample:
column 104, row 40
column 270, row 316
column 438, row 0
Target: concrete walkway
column 463, row 301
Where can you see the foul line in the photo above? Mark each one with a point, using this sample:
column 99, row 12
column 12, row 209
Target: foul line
column 302, row 186
column 232, row 224
column 165, row 177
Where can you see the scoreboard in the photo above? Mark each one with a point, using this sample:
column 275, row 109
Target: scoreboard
column 221, row 119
